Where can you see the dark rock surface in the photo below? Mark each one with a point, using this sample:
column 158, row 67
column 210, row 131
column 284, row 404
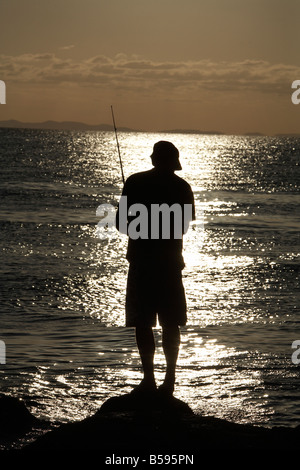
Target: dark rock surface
column 16, row 421
column 155, row 424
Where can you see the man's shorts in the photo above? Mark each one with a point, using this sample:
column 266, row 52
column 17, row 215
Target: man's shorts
column 155, row 290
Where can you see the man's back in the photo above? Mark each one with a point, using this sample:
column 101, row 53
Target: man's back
column 168, row 201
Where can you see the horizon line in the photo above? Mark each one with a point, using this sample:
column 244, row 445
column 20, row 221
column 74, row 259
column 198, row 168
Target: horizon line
column 78, row 125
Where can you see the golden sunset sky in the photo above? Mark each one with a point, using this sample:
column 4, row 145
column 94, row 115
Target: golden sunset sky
column 222, row 65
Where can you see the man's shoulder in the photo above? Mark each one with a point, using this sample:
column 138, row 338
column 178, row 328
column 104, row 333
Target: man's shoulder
column 182, row 185
column 138, row 177
column 181, row 181
column 149, row 175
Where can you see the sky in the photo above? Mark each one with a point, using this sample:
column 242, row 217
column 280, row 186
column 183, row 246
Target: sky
column 208, row 65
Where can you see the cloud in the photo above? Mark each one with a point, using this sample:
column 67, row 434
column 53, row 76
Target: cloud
column 139, row 75
column 66, row 48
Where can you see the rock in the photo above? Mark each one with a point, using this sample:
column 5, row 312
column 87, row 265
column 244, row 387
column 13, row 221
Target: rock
column 146, row 403
column 16, row 420
column 128, row 425
column 14, row 414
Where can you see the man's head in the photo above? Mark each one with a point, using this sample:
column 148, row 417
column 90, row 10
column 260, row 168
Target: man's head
column 165, row 156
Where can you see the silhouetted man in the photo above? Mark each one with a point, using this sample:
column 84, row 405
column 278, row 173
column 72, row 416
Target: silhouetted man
column 155, row 210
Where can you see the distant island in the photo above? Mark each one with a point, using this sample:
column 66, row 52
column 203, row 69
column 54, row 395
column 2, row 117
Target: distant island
column 288, row 135
column 63, row 125
column 82, row 126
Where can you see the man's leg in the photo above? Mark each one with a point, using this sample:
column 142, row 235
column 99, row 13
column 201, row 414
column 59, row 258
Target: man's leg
column 170, row 342
column 146, row 346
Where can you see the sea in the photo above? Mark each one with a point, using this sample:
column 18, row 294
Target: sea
column 64, row 349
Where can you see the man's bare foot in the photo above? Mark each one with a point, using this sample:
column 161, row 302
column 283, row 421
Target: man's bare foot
column 167, row 387
column 146, row 386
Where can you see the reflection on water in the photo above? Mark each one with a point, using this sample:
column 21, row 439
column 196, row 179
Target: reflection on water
column 62, row 311
column 229, row 372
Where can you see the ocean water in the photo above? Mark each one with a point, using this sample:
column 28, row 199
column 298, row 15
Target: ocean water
column 63, row 288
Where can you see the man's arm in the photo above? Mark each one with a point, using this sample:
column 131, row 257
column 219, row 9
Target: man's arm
column 189, row 209
column 121, row 220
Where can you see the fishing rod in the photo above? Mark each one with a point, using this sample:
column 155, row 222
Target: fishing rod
column 113, row 117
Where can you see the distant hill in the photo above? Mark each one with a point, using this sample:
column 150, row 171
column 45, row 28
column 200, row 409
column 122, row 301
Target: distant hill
column 81, row 126
column 287, row 135
column 254, row 134
column 63, row 125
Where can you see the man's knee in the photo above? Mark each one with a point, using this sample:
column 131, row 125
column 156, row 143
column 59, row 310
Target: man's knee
column 143, row 330
column 171, row 334
column 170, row 329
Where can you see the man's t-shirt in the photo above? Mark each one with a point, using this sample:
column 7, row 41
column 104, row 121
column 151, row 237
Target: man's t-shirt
column 168, row 202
